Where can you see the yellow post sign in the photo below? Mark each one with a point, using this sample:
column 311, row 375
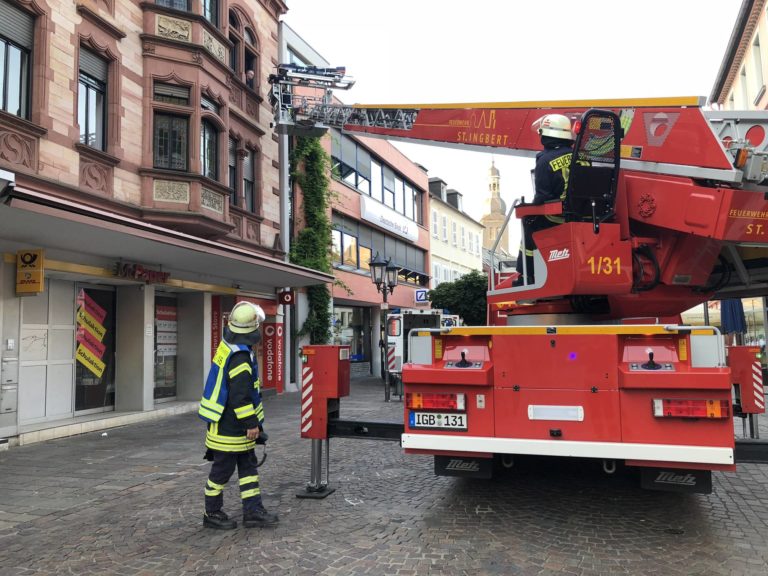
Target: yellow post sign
column 30, row 272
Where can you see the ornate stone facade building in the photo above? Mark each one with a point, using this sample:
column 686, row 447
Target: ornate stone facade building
column 133, row 136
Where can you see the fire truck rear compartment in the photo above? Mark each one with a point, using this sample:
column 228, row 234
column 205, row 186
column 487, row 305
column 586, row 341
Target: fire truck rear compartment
column 606, row 396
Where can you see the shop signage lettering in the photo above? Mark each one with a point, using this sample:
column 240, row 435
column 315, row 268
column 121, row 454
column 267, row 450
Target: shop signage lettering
column 91, row 306
column 30, row 272
column 90, row 324
column 386, row 218
column 273, row 355
column 215, row 323
column 90, row 361
column 139, row 272
column 89, row 341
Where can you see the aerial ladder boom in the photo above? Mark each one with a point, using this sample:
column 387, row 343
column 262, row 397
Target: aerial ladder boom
column 684, row 195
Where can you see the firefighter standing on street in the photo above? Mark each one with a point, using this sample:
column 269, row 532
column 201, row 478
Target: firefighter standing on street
column 550, row 179
column 232, row 407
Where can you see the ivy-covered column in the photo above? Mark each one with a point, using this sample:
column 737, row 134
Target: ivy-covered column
column 311, row 247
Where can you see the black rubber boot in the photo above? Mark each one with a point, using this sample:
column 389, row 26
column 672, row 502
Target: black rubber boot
column 218, row 520
column 259, row 518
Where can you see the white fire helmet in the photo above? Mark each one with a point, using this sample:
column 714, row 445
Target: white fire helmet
column 246, row 317
column 554, row 126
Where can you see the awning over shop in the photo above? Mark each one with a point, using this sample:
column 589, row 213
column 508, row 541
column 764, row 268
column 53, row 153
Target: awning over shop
column 37, row 219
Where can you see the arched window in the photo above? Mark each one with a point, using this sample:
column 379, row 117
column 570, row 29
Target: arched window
column 244, row 56
column 209, row 147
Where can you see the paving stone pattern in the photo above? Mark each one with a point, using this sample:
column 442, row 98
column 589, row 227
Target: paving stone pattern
column 130, row 503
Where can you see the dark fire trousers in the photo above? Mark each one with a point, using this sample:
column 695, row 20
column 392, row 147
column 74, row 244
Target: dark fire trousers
column 223, row 467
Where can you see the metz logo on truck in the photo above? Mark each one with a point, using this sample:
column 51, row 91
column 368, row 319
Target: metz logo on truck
column 464, row 467
column 556, row 254
column 699, row 481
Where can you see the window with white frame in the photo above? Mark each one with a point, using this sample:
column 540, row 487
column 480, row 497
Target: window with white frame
column 743, row 82
column 435, row 231
column 471, row 238
column 463, row 239
column 211, row 11
column 757, row 60
column 454, row 234
column 92, row 99
column 249, row 181
column 353, row 164
column 16, row 40
column 444, row 227
column 209, row 150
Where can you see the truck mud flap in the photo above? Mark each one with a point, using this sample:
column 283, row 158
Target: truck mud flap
column 463, row 467
column 676, row 480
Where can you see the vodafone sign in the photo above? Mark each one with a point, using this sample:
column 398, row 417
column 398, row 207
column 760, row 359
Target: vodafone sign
column 272, row 350
column 286, row 297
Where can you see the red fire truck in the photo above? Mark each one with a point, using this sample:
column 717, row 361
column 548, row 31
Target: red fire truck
column 664, row 209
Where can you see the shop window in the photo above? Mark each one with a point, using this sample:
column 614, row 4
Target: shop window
column 351, row 327
column 95, row 349
column 16, row 42
column 91, row 97
column 166, row 338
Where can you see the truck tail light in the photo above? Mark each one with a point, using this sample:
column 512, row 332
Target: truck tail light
column 435, row 401
column 665, row 408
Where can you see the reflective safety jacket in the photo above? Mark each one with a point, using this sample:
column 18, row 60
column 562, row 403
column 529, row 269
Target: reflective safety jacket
column 551, row 175
column 231, row 401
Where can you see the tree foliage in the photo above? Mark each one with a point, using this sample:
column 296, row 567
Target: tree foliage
column 311, row 248
column 465, row 297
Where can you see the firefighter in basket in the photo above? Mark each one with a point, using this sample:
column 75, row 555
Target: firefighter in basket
column 550, row 178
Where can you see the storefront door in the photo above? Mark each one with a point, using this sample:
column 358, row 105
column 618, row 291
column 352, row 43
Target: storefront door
column 95, row 349
column 166, row 339
column 351, row 327
column 46, row 359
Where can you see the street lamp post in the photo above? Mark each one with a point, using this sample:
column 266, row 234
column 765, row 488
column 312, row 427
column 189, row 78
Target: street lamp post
column 384, row 276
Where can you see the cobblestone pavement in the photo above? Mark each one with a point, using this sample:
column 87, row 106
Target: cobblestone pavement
column 130, row 503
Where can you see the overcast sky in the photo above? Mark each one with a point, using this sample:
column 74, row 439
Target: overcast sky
column 431, row 51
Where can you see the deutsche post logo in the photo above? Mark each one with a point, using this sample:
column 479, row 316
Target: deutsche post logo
column 30, row 272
